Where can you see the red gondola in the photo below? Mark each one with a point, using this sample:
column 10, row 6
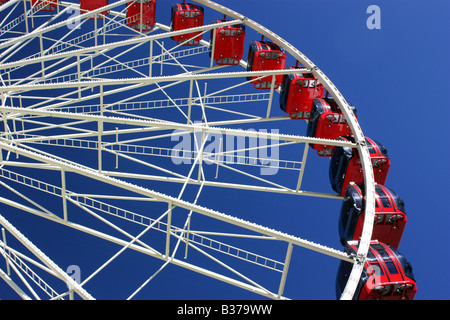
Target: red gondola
column 185, row 16
column 327, row 121
column 387, row 275
column 3, row 1
column 147, row 16
column 390, row 216
column 345, row 165
column 297, row 94
column 265, row 55
column 228, row 44
column 46, row 5
column 89, row 5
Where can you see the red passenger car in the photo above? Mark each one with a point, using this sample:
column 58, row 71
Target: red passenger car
column 45, row 5
column 345, row 165
column 265, row 55
column 327, row 122
column 297, row 94
column 387, row 275
column 390, row 216
column 228, row 44
column 186, row 16
column 147, row 16
column 89, row 5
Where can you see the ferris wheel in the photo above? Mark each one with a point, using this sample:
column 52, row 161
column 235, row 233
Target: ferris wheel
column 139, row 138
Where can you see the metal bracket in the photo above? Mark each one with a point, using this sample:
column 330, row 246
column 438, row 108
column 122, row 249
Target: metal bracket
column 360, row 259
column 361, row 143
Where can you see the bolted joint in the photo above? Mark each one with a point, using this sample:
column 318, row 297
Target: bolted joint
column 361, row 143
column 360, row 259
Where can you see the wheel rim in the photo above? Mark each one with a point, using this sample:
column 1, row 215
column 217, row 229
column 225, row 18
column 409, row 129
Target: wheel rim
column 83, row 125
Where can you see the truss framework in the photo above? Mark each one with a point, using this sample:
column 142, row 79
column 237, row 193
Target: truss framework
column 84, row 96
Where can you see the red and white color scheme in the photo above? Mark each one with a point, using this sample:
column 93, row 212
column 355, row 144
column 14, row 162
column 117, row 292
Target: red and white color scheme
column 298, row 92
column 141, row 15
column 89, row 5
column 186, row 16
column 75, row 98
column 44, row 5
column 327, row 122
column 228, row 44
column 345, row 165
column 387, row 275
column 390, row 216
column 265, row 55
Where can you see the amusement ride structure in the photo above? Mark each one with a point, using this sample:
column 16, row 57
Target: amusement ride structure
column 134, row 127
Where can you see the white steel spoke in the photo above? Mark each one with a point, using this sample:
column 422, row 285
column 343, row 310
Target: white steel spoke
column 91, row 124
column 46, row 260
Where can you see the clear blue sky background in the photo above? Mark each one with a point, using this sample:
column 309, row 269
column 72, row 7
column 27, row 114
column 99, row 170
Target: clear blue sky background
column 397, row 78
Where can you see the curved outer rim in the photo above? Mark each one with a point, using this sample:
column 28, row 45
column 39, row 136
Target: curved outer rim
column 355, row 129
column 354, row 126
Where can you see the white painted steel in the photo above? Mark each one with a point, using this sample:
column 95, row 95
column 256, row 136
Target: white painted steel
column 21, row 140
column 356, row 131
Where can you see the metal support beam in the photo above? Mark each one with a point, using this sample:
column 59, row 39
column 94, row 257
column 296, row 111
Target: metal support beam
column 46, row 260
column 177, row 202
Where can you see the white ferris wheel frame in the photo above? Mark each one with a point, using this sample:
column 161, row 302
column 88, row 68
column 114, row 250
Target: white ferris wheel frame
column 54, row 163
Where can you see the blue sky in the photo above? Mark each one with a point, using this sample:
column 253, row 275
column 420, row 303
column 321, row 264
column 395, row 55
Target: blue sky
column 396, row 76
